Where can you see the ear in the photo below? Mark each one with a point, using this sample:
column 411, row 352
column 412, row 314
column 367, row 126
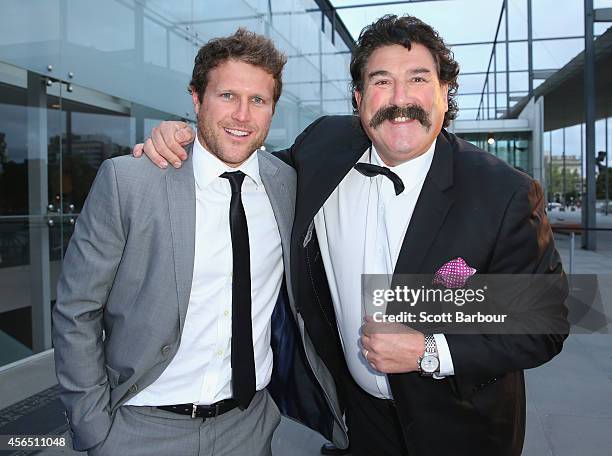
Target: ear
column 196, row 101
column 444, row 89
column 357, row 94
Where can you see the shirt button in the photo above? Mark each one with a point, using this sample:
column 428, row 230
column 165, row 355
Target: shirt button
column 219, row 352
column 226, row 313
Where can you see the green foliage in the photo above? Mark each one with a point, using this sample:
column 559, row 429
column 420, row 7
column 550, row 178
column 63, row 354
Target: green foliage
column 555, row 183
column 600, row 184
column 3, row 157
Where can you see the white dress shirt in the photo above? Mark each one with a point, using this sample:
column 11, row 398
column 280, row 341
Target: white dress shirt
column 360, row 229
column 201, row 370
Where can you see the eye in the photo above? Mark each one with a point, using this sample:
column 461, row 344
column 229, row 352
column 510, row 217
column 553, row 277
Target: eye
column 419, row 79
column 226, row 95
column 381, row 82
column 258, row 100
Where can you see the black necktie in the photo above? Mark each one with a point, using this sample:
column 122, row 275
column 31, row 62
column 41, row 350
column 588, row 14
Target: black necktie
column 367, row 169
column 243, row 360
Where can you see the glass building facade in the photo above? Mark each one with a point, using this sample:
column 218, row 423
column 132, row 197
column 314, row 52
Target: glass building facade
column 83, row 80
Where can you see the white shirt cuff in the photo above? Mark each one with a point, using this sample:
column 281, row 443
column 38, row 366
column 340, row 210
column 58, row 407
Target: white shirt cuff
column 444, row 356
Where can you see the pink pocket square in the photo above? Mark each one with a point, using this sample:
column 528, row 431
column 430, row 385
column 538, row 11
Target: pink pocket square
column 453, row 274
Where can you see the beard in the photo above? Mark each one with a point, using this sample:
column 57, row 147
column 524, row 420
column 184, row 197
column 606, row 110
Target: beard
column 411, row 111
column 213, row 141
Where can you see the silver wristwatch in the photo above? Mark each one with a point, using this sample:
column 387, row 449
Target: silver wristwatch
column 429, row 363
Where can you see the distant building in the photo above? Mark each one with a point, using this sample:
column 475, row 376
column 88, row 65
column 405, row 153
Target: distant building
column 572, row 163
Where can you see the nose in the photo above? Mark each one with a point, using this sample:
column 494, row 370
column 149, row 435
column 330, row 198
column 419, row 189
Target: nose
column 400, row 94
column 242, row 111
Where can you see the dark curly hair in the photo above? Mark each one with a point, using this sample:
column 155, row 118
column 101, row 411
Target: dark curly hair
column 244, row 46
column 405, row 30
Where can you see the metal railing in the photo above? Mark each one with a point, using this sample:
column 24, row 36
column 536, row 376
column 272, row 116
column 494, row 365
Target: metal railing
column 572, row 230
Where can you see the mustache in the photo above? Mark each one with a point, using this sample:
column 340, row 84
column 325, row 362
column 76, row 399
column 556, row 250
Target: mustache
column 411, row 111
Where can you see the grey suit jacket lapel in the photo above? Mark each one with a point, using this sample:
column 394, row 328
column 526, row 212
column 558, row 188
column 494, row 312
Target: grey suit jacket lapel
column 281, row 192
column 182, row 207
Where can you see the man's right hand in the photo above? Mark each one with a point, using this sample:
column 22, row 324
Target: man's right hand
column 165, row 145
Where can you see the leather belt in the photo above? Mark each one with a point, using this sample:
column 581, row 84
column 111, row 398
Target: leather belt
column 202, row 411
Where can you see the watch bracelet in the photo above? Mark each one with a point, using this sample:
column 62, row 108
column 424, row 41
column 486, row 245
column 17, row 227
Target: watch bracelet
column 430, row 344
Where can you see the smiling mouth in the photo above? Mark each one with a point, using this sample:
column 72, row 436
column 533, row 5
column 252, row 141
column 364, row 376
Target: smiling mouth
column 237, row 133
column 402, row 119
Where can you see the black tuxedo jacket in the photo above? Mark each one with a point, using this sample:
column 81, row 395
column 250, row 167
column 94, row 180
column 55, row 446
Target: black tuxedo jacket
column 474, row 206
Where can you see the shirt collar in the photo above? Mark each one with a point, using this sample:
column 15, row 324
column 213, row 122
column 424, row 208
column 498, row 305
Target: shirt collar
column 207, row 167
column 411, row 172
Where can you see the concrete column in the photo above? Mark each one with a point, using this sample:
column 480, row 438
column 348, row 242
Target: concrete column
column 537, row 142
column 589, row 238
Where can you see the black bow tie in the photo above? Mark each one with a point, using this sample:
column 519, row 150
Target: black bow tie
column 367, row 169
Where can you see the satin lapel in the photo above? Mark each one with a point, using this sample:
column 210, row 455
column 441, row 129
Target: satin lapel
column 430, row 211
column 182, row 207
column 319, row 177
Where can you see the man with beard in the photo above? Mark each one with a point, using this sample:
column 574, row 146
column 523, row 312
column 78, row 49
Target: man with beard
column 395, row 193
column 158, row 363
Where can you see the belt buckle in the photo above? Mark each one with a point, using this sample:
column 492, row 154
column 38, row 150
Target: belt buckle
column 216, row 409
column 194, row 410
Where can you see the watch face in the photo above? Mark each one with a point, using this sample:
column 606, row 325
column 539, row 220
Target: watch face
column 430, row 364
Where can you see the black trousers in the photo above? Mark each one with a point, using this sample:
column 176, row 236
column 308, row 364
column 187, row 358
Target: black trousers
column 373, row 424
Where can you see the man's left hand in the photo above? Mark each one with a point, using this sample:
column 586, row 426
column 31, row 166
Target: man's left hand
column 391, row 348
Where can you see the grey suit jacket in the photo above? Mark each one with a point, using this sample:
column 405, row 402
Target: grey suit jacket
column 126, row 281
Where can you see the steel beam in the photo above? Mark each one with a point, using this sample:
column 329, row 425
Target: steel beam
column 589, row 238
column 530, row 47
column 603, row 15
column 507, row 59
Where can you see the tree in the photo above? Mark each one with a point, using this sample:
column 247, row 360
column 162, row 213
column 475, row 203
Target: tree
column 555, row 183
column 600, row 183
column 3, row 157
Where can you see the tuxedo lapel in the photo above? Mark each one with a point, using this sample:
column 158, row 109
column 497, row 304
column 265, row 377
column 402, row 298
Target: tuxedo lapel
column 181, row 204
column 326, row 170
column 430, row 211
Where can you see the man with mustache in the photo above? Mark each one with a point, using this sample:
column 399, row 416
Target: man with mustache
column 392, row 192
